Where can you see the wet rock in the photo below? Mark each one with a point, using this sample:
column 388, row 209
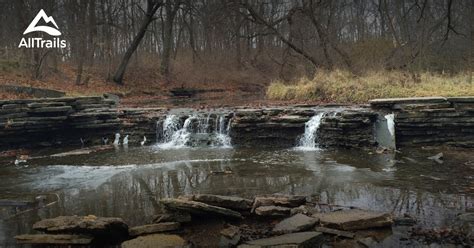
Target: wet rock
column 199, row 208
column 303, row 209
column 334, row 232
column 53, row 239
column 96, row 226
column 301, row 239
column 295, row 223
column 368, row 242
column 230, row 236
column 153, row 228
column 83, row 151
column 404, row 221
column 272, row 211
column 156, row 241
column 438, row 158
column 466, row 222
column 278, row 200
column 354, row 219
column 232, row 202
column 173, row 216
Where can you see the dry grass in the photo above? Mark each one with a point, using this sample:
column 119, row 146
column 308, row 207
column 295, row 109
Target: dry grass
column 344, row 87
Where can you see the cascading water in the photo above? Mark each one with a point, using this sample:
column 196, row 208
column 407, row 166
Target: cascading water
column 197, row 130
column 222, row 132
column 391, row 124
column 309, row 140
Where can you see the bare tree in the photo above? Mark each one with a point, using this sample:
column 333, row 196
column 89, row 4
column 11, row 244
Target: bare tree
column 152, row 7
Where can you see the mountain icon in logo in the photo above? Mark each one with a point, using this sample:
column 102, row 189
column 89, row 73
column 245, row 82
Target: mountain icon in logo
column 49, row 30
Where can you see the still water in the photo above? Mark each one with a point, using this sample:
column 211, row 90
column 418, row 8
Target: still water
column 128, row 183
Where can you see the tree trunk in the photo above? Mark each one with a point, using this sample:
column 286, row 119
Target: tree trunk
column 152, row 7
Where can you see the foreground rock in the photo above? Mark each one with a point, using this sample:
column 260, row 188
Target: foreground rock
column 230, row 236
column 272, row 211
column 296, row 223
column 96, row 226
column 278, row 200
column 153, row 228
column 173, row 216
column 156, row 241
column 299, row 240
column 199, row 208
column 231, row 202
column 334, row 232
column 354, row 219
column 53, row 239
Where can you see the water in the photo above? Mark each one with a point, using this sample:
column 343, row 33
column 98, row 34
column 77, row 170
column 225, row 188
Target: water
column 128, row 183
column 309, row 140
column 196, row 131
column 391, row 124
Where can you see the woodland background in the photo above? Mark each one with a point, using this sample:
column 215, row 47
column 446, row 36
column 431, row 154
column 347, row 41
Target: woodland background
column 304, row 50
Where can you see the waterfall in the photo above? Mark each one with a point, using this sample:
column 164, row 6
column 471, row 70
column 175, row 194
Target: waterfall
column 309, row 140
column 196, row 131
column 391, row 124
column 222, row 133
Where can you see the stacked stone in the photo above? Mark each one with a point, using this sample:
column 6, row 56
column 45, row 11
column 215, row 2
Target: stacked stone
column 54, row 120
column 140, row 122
column 348, row 128
column 431, row 121
column 274, row 127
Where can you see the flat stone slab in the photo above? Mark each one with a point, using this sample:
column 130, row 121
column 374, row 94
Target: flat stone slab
column 173, row 216
column 462, row 99
column 354, row 219
column 295, row 223
column 155, row 241
column 409, row 100
column 279, row 200
column 199, row 208
column 232, row 202
column 335, row 232
column 300, row 240
column 153, row 228
column 103, row 226
column 272, row 211
column 53, row 239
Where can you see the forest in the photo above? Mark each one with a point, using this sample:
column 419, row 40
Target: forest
column 323, row 50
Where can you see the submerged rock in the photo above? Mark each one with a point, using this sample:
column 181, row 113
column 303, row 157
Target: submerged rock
column 156, row 241
column 96, row 226
column 295, row 223
column 232, row 202
column 354, row 219
column 53, row 239
column 153, row 228
column 272, row 211
column 199, row 208
column 301, row 239
column 438, row 158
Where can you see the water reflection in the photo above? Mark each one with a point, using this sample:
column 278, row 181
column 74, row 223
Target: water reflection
column 129, row 183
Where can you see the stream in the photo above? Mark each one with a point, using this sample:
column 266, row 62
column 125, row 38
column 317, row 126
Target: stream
column 127, row 182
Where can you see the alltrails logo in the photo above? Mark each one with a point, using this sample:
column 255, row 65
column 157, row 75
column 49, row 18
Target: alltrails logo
column 40, row 42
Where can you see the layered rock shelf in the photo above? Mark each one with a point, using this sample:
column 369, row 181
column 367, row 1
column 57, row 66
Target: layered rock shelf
column 56, row 121
column 90, row 120
column 282, row 127
column 431, row 120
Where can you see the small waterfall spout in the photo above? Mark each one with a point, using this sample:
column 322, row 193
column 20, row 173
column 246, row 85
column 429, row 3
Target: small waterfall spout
column 211, row 130
column 309, row 140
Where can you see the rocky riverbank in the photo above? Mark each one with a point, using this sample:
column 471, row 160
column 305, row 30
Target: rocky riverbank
column 265, row 221
column 91, row 120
